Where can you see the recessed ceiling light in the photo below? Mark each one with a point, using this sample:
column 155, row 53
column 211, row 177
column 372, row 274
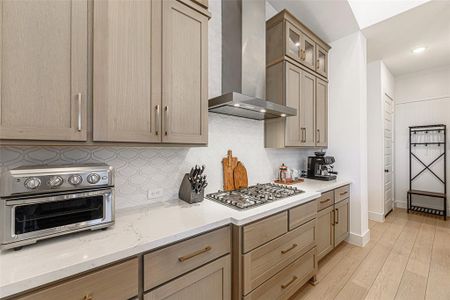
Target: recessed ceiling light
column 263, row 110
column 283, row 115
column 418, row 50
column 236, row 105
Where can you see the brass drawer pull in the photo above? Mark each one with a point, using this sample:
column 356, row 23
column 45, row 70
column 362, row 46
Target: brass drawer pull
column 88, row 297
column 325, row 201
column 343, row 193
column 198, row 252
column 294, row 278
column 287, row 250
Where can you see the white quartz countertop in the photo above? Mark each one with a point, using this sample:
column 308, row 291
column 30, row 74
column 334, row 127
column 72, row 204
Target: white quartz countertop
column 135, row 231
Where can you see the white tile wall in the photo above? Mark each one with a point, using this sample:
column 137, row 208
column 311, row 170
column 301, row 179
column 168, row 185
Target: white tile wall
column 141, row 169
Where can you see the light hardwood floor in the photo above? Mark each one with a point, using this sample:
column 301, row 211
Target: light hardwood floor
column 408, row 257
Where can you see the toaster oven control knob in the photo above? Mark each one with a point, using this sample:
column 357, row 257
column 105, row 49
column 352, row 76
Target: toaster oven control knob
column 75, row 179
column 55, row 181
column 93, row 178
column 32, row 183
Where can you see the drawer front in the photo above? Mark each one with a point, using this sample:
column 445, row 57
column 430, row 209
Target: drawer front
column 209, row 282
column 341, row 193
column 164, row 264
column 263, row 231
column 284, row 284
column 326, row 200
column 203, row 3
column 117, row 282
column 264, row 262
column 301, row 214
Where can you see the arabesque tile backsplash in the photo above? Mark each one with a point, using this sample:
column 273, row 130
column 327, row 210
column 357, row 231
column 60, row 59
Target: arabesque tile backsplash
column 148, row 168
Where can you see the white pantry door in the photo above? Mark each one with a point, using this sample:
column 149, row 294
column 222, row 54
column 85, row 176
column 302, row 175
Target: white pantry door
column 388, row 134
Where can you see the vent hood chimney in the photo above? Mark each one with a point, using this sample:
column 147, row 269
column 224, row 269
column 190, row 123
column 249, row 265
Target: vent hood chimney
column 244, row 63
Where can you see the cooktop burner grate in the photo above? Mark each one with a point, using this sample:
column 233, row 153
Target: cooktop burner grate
column 254, row 195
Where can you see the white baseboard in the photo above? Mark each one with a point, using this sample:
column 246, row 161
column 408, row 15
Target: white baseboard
column 359, row 240
column 402, row 204
column 376, row 216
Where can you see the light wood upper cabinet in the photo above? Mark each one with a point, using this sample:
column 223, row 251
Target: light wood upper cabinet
column 43, row 70
column 307, row 109
column 127, row 67
column 184, row 74
column 293, row 134
column 286, row 37
column 321, row 61
column 321, row 113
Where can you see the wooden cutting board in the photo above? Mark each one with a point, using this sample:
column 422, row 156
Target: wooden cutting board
column 229, row 163
column 240, row 176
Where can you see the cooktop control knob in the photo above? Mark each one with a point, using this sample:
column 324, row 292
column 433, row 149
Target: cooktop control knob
column 55, row 181
column 75, row 179
column 32, row 183
column 93, row 178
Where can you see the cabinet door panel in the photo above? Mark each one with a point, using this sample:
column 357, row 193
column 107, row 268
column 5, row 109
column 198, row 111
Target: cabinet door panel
column 341, row 227
column 321, row 113
column 210, row 282
column 185, row 78
column 325, row 232
column 43, row 70
column 321, row 61
column 309, row 52
column 293, row 134
column 127, row 66
column 307, row 110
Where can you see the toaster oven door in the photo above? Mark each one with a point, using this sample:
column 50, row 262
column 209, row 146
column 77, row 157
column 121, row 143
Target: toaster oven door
column 31, row 219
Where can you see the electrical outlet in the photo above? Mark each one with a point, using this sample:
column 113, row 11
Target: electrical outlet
column 155, row 193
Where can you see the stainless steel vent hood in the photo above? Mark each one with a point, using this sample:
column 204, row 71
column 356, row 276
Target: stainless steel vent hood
column 244, row 63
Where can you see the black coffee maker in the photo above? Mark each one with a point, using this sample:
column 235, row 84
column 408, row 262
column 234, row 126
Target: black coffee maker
column 321, row 167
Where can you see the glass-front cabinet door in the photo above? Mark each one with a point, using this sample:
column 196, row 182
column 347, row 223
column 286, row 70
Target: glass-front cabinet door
column 321, row 61
column 308, row 52
column 293, row 42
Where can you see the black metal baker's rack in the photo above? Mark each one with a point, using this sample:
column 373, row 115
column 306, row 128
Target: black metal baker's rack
column 427, row 129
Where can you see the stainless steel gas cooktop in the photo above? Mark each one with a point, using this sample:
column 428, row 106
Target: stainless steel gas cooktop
column 254, row 195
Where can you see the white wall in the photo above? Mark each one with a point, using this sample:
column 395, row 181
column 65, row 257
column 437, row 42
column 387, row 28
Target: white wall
column 148, row 168
column 379, row 82
column 348, row 125
column 422, row 98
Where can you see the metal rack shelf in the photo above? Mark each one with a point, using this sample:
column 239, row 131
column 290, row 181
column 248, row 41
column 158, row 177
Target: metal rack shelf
column 413, row 130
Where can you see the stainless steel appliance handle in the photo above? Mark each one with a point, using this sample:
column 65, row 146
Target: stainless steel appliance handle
column 157, row 120
column 79, row 117
column 22, row 201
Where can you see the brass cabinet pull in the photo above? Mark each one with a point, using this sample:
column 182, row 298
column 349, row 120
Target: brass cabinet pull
column 343, row 193
column 318, row 136
column 88, row 297
column 337, row 216
column 294, row 278
column 332, row 216
column 287, row 250
column 166, row 117
column 326, row 200
column 79, row 117
column 157, row 120
column 303, row 140
column 318, row 64
column 198, row 252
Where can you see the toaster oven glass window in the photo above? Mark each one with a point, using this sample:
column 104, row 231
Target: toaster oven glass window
column 34, row 217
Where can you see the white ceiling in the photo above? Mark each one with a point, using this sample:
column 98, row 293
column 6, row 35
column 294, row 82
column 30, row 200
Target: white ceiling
column 393, row 39
column 329, row 19
column 369, row 12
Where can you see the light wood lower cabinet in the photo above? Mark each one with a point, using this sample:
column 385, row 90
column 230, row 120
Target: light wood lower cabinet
column 341, row 225
column 325, row 232
column 284, row 284
column 43, row 70
column 117, row 282
column 210, row 282
column 332, row 220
